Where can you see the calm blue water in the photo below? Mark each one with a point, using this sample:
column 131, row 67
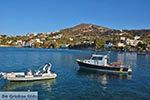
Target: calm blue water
column 72, row 83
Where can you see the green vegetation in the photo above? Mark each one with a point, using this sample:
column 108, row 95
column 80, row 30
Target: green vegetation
column 100, row 43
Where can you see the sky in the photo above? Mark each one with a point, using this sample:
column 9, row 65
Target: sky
column 19, row 17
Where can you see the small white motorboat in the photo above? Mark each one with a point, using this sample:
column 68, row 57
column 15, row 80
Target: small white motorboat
column 42, row 74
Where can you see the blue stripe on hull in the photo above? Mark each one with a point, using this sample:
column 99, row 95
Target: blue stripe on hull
column 102, row 70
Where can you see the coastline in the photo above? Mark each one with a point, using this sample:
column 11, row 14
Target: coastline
column 99, row 50
column 5, row 46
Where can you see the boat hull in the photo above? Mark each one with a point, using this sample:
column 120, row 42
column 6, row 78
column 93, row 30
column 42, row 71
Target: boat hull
column 31, row 78
column 111, row 69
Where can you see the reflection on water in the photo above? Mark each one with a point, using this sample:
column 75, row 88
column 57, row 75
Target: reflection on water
column 103, row 78
column 103, row 75
column 128, row 58
column 45, row 84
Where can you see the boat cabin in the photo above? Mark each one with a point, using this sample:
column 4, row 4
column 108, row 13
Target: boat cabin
column 99, row 60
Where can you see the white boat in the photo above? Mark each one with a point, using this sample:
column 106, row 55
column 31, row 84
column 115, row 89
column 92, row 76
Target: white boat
column 42, row 74
column 101, row 63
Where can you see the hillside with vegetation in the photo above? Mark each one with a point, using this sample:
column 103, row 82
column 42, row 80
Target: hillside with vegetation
column 83, row 36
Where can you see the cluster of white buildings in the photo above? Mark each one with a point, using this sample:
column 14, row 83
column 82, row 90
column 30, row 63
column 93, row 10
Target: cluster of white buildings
column 126, row 41
column 36, row 38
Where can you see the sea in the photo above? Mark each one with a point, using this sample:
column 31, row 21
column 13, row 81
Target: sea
column 73, row 83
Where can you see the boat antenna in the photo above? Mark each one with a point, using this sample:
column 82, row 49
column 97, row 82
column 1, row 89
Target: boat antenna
column 95, row 51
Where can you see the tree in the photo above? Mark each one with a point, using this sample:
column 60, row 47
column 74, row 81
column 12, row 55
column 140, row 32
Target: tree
column 141, row 46
column 100, row 42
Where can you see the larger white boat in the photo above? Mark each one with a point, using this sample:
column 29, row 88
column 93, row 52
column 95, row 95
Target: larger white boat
column 101, row 63
column 42, row 74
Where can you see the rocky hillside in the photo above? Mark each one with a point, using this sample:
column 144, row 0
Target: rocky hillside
column 84, row 30
column 96, row 31
column 89, row 28
column 84, row 34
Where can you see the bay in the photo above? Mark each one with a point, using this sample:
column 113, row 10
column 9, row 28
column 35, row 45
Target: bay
column 75, row 84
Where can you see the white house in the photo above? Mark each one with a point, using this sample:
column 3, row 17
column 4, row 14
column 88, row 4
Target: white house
column 137, row 37
column 121, row 44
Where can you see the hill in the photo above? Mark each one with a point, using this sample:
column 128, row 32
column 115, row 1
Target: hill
column 81, row 31
column 90, row 35
column 79, row 36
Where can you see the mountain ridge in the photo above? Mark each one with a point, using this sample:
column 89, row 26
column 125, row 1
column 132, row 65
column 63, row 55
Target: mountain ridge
column 87, row 28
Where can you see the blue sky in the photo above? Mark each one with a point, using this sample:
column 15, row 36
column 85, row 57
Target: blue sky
column 19, row 17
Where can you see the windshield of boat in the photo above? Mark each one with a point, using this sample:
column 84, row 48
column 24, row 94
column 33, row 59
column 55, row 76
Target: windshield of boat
column 97, row 58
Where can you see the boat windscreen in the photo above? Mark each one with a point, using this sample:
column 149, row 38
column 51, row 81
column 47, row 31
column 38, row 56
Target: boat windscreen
column 97, row 58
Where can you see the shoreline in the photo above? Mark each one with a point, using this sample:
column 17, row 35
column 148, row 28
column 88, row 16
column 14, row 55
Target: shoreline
column 102, row 50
